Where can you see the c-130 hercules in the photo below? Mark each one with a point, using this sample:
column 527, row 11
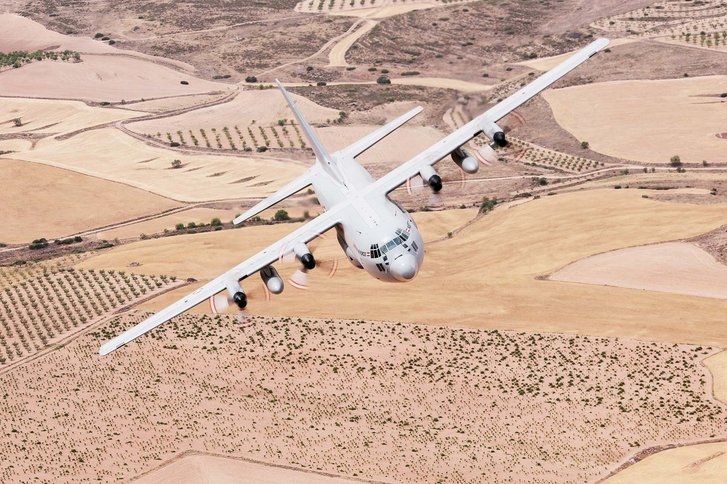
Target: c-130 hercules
column 376, row 234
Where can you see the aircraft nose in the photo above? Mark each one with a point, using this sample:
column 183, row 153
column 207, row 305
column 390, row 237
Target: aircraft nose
column 404, row 268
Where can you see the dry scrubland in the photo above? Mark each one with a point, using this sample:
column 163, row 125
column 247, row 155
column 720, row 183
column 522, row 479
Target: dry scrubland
column 374, row 394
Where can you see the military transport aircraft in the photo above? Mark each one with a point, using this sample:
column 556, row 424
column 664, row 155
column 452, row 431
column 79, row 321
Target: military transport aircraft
column 376, row 234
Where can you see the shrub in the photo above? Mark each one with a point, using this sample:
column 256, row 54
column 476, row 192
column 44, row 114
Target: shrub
column 216, row 222
column 251, row 79
column 191, row 225
column 487, row 204
column 383, row 80
column 186, row 83
column 321, row 83
column 38, row 244
column 585, row 145
column 176, row 164
column 262, row 149
column 410, row 73
column 676, row 161
column 179, row 226
column 281, row 215
column 98, row 35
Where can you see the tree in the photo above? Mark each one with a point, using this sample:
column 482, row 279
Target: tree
column 216, row 222
column 17, row 122
column 281, row 215
column 585, row 145
column 251, row 79
column 179, row 226
column 383, row 80
column 676, row 161
column 176, row 164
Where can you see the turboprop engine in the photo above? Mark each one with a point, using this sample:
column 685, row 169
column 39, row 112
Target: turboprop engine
column 496, row 134
column 303, row 254
column 431, row 178
column 465, row 161
column 236, row 294
column 272, row 279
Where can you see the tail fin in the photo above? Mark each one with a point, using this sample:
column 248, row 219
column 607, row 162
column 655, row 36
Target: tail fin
column 323, row 156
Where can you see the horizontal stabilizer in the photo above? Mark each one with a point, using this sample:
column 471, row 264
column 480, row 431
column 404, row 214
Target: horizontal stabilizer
column 371, row 139
column 288, row 190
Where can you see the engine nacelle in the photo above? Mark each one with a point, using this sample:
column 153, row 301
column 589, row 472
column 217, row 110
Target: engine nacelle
column 465, row 161
column 496, row 134
column 272, row 279
column 237, row 294
column 303, row 254
column 431, row 178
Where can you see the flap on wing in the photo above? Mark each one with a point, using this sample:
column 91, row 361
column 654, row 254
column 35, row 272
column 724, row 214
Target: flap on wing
column 371, row 139
column 288, row 190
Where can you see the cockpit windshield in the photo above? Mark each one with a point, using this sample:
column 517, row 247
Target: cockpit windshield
column 376, row 250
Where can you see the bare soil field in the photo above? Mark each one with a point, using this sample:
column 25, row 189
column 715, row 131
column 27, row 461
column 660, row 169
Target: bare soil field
column 496, row 288
column 43, row 201
column 704, row 463
column 640, row 126
column 113, row 155
column 356, row 399
column 97, row 78
column 674, row 267
column 43, row 116
column 196, row 468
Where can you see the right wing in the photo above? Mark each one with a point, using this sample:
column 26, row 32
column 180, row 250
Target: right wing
column 458, row 138
column 258, row 261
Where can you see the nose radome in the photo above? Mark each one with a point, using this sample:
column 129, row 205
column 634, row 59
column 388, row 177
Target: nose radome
column 404, row 268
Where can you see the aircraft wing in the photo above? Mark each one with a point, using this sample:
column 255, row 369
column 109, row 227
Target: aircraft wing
column 258, row 261
column 447, row 145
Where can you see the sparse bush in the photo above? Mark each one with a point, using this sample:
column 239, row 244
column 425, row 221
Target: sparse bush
column 176, row 164
column 251, row 79
column 676, row 161
column 383, row 80
column 216, row 222
column 281, row 215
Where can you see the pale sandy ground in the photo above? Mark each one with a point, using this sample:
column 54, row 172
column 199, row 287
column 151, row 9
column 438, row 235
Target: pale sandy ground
column 54, row 116
column 209, row 469
column 114, row 155
column 337, row 55
column 635, row 120
column 100, row 78
column 704, row 463
column 22, row 33
column 493, row 265
column 547, row 63
column 264, row 107
column 717, row 365
column 42, row 201
column 675, row 267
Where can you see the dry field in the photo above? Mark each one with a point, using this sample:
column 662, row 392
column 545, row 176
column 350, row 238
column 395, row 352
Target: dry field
column 194, row 468
column 373, row 395
column 493, row 264
column 674, row 267
column 43, row 201
column 45, row 117
column 113, row 155
column 634, row 119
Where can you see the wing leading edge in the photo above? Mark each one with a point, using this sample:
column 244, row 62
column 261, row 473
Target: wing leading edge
column 248, row 267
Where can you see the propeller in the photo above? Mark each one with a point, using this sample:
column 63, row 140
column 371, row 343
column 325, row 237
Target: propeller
column 300, row 279
column 487, row 154
column 223, row 303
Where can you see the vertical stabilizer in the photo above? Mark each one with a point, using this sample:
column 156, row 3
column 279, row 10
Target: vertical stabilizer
column 324, row 158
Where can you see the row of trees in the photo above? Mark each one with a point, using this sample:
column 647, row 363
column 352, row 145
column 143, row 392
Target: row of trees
column 18, row 58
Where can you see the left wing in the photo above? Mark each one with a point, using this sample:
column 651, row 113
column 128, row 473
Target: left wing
column 485, row 121
column 260, row 260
